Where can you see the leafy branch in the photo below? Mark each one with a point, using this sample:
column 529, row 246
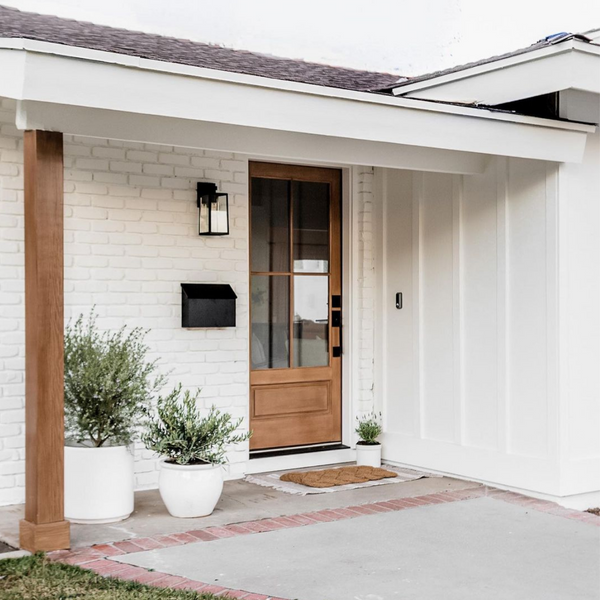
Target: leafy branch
column 109, row 384
column 178, row 432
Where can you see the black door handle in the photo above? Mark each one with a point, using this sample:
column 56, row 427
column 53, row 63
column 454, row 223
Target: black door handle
column 336, row 318
column 399, row 300
column 336, row 321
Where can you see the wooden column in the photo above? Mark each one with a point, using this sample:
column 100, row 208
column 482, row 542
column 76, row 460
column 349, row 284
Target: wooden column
column 44, row 527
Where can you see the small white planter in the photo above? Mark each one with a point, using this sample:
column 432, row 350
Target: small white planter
column 368, row 455
column 190, row 490
column 98, row 483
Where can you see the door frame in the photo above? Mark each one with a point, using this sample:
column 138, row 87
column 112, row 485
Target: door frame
column 350, row 269
column 313, row 376
column 350, row 266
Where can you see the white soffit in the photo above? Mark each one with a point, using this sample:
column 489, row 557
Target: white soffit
column 75, row 78
column 572, row 64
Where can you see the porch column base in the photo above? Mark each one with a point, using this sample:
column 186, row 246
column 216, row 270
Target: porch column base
column 44, row 537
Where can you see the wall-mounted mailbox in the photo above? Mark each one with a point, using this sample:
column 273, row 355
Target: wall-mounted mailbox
column 207, row 305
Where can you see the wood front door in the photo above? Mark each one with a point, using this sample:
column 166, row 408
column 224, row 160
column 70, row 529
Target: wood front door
column 295, row 306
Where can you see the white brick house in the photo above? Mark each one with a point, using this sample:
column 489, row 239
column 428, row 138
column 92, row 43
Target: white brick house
column 486, row 220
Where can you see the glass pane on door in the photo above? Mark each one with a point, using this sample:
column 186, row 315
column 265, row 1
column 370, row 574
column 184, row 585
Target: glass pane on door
column 311, row 226
column 270, row 301
column 311, row 321
column 270, row 225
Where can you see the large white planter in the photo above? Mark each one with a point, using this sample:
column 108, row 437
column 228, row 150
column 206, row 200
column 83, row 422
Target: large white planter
column 190, row 490
column 98, row 483
column 368, row 455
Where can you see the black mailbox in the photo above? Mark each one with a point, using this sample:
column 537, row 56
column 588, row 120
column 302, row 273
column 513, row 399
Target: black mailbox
column 207, row 305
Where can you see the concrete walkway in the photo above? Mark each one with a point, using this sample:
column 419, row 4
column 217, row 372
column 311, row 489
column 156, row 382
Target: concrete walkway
column 429, row 539
column 241, row 501
column 467, row 544
column 469, row 550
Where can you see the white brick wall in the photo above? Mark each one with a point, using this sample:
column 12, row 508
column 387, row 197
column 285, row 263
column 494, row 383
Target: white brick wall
column 12, row 388
column 365, row 290
column 130, row 240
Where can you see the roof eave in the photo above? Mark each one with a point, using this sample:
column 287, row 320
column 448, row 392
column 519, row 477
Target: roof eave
column 567, row 65
column 57, row 75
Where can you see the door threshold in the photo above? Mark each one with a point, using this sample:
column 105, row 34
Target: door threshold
column 254, row 454
column 300, row 458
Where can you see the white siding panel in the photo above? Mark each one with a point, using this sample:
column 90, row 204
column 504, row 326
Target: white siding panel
column 437, row 368
column 481, row 362
column 527, row 309
column 479, row 274
column 402, row 410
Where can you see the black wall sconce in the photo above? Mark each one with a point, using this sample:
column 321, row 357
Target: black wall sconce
column 214, row 210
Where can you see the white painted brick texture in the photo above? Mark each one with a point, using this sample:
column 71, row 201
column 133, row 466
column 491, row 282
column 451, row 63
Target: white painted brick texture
column 131, row 238
column 365, row 291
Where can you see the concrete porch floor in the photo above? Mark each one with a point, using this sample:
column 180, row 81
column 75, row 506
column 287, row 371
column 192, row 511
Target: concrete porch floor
column 240, row 502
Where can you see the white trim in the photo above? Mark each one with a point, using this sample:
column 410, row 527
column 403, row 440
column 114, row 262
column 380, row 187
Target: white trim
column 348, row 295
column 280, row 146
column 502, row 371
column 417, row 296
column 457, row 311
column 581, row 501
column 571, row 64
column 300, row 461
column 480, row 69
column 43, row 83
column 473, row 463
column 33, row 47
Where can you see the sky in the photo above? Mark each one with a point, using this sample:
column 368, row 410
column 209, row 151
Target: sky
column 405, row 37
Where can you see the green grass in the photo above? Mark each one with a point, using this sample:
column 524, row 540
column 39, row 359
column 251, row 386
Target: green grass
column 37, row 578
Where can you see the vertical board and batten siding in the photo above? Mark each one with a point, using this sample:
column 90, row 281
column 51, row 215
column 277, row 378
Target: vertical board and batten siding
column 579, row 260
column 469, row 385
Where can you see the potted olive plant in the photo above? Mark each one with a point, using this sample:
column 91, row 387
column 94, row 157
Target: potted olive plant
column 368, row 449
column 193, row 450
column 109, row 386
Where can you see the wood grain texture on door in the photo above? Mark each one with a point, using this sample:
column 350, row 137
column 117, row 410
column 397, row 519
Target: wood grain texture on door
column 295, row 349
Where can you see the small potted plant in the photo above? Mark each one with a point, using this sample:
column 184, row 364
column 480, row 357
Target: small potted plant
column 109, row 386
column 368, row 449
column 193, row 450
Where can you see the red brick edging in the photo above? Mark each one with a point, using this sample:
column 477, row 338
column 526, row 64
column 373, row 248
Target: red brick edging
column 96, row 558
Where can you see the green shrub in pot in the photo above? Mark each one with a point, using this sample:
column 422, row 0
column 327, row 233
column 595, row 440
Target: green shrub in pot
column 193, row 448
column 368, row 449
column 109, row 385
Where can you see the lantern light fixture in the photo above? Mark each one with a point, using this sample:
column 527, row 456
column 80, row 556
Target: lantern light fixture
column 213, row 209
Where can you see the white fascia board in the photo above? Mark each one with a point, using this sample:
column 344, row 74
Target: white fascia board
column 177, row 91
column 12, row 74
column 258, row 143
column 571, row 65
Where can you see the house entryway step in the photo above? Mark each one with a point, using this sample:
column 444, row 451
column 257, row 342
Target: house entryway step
column 254, row 454
column 300, row 458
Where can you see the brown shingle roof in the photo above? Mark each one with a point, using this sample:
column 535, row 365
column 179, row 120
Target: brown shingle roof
column 17, row 24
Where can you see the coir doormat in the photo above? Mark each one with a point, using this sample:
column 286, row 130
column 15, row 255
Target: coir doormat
column 281, row 480
column 325, row 478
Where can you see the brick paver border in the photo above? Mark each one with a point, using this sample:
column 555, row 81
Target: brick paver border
column 96, row 558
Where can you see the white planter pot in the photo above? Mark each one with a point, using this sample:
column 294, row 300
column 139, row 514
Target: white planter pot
column 98, row 483
column 190, row 490
column 368, row 455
